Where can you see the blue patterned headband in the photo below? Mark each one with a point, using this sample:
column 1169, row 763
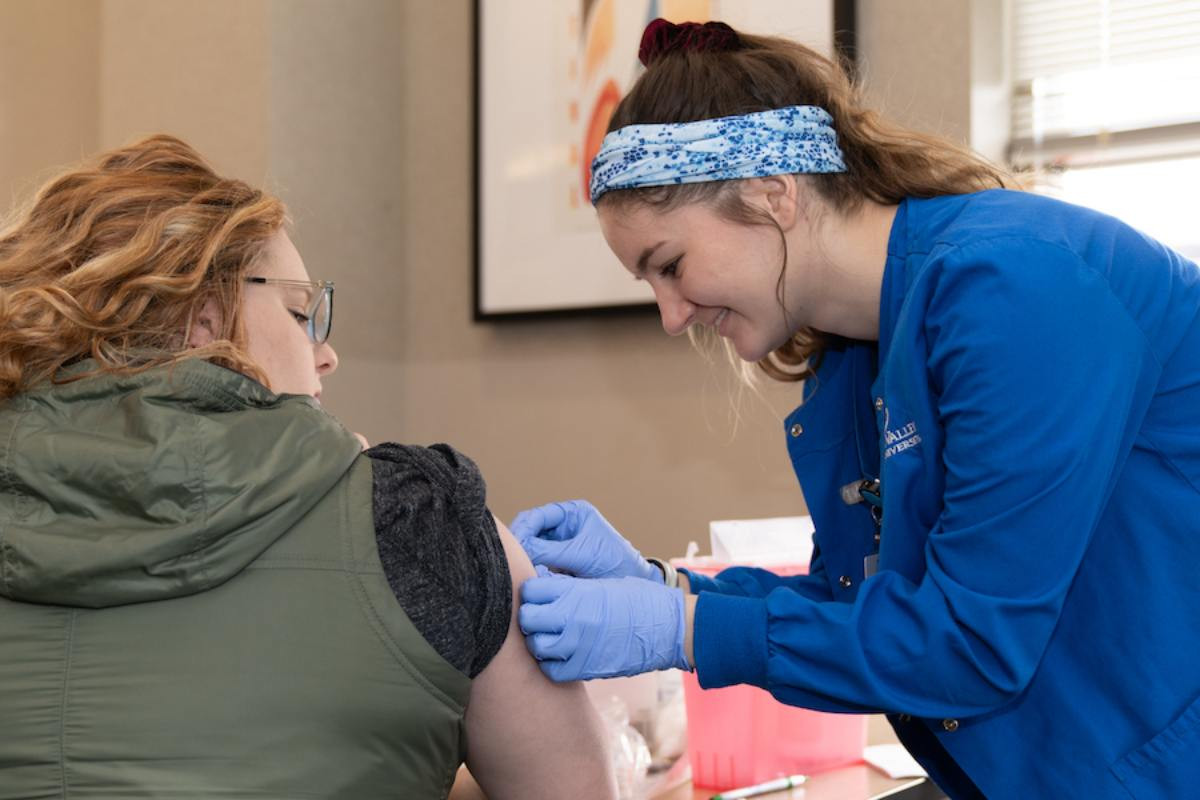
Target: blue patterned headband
column 796, row 139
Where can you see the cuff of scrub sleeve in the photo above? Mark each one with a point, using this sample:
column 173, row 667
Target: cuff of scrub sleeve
column 700, row 583
column 729, row 640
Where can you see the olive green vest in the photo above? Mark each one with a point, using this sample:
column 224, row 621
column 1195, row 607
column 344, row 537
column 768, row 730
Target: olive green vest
column 192, row 604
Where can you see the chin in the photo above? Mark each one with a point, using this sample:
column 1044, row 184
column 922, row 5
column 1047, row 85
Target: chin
column 754, row 349
column 751, row 352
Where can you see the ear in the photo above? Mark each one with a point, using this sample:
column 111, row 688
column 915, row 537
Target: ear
column 205, row 324
column 778, row 195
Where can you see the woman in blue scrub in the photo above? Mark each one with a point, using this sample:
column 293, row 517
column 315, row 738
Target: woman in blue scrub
column 998, row 439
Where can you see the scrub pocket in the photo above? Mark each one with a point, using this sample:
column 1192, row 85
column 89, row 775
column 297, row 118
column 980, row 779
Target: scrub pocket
column 1167, row 765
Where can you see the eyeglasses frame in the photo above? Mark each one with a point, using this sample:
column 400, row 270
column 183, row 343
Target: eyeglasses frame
column 324, row 293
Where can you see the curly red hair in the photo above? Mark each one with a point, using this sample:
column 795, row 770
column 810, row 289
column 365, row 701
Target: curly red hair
column 113, row 258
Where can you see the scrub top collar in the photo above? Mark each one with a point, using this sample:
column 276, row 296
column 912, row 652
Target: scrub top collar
column 891, row 299
column 895, row 281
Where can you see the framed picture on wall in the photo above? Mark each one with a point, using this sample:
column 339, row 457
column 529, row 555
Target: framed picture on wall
column 548, row 74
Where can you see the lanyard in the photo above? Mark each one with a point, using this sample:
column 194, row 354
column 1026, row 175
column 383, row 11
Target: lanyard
column 866, row 436
column 867, row 489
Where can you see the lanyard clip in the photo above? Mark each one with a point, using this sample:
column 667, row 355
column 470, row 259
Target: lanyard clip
column 866, row 491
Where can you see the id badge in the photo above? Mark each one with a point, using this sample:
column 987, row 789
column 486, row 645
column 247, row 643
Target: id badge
column 870, row 565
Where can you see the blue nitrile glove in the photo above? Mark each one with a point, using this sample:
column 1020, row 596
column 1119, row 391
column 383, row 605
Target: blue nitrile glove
column 580, row 629
column 573, row 537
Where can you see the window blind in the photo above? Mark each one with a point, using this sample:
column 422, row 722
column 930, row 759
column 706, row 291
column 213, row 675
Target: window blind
column 1104, row 80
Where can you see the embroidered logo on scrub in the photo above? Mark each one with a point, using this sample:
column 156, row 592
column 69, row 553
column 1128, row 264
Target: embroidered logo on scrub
column 897, row 440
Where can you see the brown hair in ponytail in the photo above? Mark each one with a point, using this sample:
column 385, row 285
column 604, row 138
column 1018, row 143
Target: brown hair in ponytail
column 727, row 76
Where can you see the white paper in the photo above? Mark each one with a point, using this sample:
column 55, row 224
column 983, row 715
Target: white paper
column 762, row 542
column 893, row 760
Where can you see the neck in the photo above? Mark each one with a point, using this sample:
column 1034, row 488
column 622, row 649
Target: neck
column 855, row 246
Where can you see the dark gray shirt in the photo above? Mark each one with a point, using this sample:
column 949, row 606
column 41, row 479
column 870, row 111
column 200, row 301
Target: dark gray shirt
column 441, row 551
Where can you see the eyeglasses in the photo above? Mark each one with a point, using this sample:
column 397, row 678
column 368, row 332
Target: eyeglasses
column 318, row 317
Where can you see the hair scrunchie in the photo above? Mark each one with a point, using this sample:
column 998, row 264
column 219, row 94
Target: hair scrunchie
column 662, row 37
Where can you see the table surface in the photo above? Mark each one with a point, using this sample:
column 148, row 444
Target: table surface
column 855, row 782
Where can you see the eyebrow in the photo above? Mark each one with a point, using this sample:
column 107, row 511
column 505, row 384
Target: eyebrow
column 301, row 294
column 291, row 288
column 645, row 256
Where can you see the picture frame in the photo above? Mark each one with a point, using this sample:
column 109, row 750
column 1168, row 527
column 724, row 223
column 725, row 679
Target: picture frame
column 547, row 76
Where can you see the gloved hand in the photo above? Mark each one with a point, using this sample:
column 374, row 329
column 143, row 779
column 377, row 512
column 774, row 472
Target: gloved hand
column 581, row 629
column 573, row 537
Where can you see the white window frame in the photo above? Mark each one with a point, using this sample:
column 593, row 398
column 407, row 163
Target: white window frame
column 1106, row 134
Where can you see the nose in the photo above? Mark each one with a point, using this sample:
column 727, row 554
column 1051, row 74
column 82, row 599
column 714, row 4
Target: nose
column 677, row 313
column 327, row 359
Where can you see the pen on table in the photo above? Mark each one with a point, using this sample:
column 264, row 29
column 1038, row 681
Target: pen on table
column 761, row 788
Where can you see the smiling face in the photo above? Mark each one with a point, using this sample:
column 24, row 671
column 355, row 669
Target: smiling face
column 274, row 321
column 705, row 269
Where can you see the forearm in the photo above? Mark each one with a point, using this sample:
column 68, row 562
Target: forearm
column 757, row 582
column 899, row 647
column 689, row 617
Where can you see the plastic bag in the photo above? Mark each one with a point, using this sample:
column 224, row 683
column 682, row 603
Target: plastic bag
column 627, row 748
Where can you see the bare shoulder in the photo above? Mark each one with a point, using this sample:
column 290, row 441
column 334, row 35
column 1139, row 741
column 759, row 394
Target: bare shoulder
column 528, row 737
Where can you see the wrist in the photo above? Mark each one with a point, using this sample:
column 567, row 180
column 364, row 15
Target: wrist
column 689, row 623
column 678, row 658
column 662, row 572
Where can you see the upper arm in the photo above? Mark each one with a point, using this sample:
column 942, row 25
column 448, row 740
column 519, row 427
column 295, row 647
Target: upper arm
column 1043, row 378
column 528, row 737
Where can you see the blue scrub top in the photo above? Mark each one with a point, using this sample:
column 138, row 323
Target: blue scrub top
column 1032, row 409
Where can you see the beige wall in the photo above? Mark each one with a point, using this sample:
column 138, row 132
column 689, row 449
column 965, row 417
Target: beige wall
column 359, row 114
column 49, row 89
column 604, row 408
column 938, row 66
column 197, row 70
column 914, row 61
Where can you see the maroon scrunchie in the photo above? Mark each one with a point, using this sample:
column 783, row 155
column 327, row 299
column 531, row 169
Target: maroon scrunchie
column 662, row 37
